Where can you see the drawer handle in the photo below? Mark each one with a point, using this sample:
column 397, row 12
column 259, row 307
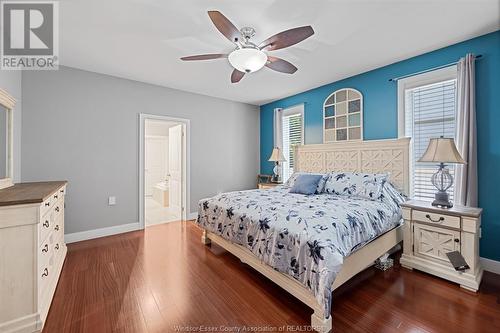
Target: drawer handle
column 57, row 209
column 45, row 248
column 47, row 204
column 46, row 224
column 441, row 219
column 62, row 191
column 45, row 272
column 56, row 228
column 55, row 196
column 57, row 246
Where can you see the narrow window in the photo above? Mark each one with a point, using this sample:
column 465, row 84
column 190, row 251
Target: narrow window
column 427, row 105
column 293, row 134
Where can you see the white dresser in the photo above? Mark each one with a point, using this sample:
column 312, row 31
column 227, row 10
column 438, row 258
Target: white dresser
column 32, row 252
column 431, row 232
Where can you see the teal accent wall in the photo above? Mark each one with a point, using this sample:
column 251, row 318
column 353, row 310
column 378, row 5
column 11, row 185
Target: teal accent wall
column 380, row 117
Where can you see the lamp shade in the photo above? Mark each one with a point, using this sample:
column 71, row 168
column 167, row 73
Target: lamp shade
column 276, row 155
column 442, row 150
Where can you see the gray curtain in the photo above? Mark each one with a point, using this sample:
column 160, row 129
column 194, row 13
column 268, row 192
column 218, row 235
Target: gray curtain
column 278, row 128
column 466, row 177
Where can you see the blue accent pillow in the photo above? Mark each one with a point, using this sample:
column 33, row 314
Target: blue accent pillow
column 321, row 185
column 306, row 184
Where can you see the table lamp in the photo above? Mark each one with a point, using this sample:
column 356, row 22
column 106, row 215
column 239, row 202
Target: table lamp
column 442, row 150
column 277, row 157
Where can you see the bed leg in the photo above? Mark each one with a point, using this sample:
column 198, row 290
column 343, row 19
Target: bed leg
column 204, row 238
column 320, row 323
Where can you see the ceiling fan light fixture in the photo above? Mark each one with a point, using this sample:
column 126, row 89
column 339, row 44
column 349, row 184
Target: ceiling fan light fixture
column 247, row 60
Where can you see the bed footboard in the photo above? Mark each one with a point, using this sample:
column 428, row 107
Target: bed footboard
column 318, row 322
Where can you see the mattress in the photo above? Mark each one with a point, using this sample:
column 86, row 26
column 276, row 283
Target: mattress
column 304, row 236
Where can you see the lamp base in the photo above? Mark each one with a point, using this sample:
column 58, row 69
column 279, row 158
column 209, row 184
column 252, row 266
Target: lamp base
column 442, row 200
column 276, row 175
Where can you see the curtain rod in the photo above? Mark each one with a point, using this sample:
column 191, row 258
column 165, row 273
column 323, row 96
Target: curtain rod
column 479, row 56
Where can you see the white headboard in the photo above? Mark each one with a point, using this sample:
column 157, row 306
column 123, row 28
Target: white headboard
column 372, row 156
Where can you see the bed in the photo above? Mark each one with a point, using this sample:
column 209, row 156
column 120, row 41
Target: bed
column 310, row 245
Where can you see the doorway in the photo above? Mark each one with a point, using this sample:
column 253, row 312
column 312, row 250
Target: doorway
column 163, row 169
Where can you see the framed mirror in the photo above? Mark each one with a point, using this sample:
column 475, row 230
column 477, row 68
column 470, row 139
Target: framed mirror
column 7, row 103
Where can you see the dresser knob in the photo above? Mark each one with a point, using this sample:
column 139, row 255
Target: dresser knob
column 56, row 228
column 46, row 224
column 45, row 272
column 47, row 204
column 45, row 248
column 57, row 209
column 55, row 196
column 57, row 246
column 435, row 221
column 62, row 191
column 457, row 240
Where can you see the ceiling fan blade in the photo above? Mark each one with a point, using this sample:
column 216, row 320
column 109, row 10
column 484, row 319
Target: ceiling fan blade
column 224, row 25
column 204, row 57
column 287, row 38
column 236, row 76
column 280, row 65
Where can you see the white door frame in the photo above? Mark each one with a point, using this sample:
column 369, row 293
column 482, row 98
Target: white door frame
column 186, row 156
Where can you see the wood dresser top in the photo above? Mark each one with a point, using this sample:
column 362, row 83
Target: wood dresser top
column 28, row 193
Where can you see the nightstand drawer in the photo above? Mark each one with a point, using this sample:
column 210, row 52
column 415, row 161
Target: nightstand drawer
column 437, row 219
column 434, row 242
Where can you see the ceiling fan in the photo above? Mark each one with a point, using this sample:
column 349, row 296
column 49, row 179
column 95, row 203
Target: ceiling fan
column 249, row 57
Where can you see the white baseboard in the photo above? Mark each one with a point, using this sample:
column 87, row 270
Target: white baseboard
column 101, row 232
column 192, row 216
column 490, row 265
column 28, row 323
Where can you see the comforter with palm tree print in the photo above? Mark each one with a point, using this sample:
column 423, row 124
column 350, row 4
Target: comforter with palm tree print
column 304, row 236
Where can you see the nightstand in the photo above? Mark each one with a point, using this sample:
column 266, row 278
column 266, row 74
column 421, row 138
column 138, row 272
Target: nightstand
column 431, row 232
column 263, row 186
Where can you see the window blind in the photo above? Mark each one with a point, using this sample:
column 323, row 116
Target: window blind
column 292, row 135
column 430, row 111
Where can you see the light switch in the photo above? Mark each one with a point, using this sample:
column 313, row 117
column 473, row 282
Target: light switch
column 112, row 201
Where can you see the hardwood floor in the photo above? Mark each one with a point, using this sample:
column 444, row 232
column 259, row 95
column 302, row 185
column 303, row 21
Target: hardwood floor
column 154, row 280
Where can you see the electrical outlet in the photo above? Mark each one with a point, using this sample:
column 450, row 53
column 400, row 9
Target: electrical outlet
column 112, row 201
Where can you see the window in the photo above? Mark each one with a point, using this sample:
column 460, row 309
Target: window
column 427, row 109
column 343, row 116
column 293, row 134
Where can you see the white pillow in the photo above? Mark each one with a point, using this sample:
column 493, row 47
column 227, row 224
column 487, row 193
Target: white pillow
column 321, row 185
column 363, row 185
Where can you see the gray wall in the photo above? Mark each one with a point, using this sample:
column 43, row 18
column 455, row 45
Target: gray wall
column 84, row 127
column 10, row 81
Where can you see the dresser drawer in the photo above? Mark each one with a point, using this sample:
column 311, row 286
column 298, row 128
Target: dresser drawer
column 57, row 209
column 58, row 227
column 57, row 247
column 44, row 253
column 45, row 227
column 57, row 196
column 45, row 206
column 62, row 191
column 45, row 274
column 437, row 219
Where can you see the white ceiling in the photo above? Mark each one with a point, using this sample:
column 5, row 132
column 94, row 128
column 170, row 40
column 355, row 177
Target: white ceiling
column 143, row 39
